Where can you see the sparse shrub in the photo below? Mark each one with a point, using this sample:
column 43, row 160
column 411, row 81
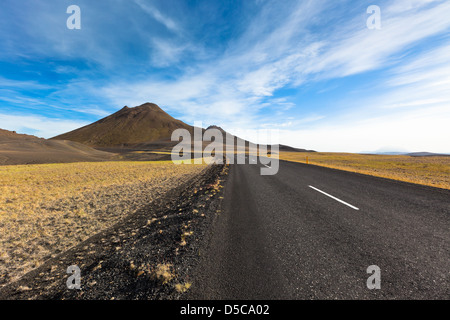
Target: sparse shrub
column 183, row 287
column 48, row 208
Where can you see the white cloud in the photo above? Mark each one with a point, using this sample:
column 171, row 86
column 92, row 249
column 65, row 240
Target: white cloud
column 412, row 114
column 400, row 6
column 366, row 49
column 283, row 48
column 420, row 130
column 158, row 16
column 33, row 85
column 421, row 82
column 258, row 68
column 166, row 53
column 39, row 126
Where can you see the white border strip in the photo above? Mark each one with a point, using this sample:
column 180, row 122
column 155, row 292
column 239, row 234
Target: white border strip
column 329, row 195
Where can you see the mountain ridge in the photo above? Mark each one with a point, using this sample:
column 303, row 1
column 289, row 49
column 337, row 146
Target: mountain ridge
column 16, row 148
column 127, row 127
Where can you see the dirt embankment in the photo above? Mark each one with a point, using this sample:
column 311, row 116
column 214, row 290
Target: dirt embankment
column 47, row 209
column 26, row 149
column 148, row 255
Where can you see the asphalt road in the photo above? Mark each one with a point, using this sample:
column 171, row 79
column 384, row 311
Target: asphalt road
column 281, row 237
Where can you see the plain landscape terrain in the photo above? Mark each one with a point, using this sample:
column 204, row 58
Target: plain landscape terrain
column 48, row 208
column 426, row 170
column 108, row 197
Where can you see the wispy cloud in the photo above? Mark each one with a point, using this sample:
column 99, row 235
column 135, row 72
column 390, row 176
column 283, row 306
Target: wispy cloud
column 10, row 83
column 40, row 126
column 166, row 53
column 415, row 130
column 294, row 64
column 158, row 16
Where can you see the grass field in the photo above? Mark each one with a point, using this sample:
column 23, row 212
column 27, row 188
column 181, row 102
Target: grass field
column 430, row 171
column 48, row 208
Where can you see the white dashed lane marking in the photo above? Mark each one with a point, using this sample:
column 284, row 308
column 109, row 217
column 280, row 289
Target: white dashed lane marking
column 332, row 197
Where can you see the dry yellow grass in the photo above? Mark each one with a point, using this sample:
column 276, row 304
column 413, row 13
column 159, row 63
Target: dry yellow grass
column 47, row 208
column 164, row 273
column 183, row 287
column 430, row 171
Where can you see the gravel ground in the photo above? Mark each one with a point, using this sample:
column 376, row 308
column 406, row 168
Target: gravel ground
column 35, row 228
column 147, row 255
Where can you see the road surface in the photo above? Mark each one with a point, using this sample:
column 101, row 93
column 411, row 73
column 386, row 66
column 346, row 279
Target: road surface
column 310, row 232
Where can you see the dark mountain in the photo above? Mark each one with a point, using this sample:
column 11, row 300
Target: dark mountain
column 128, row 127
column 146, row 127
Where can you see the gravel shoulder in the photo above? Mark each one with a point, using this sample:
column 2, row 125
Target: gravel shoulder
column 147, row 255
column 47, row 209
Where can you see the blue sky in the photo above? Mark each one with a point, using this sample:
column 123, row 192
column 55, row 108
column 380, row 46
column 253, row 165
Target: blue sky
column 310, row 69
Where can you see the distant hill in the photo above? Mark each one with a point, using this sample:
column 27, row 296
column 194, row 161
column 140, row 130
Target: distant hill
column 283, row 147
column 128, row 127
column 388, row 153
column 237, row 140
column 411, row 154
column 121, row 135
column 426, row 154
column 27, row 149
column 146, row 127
